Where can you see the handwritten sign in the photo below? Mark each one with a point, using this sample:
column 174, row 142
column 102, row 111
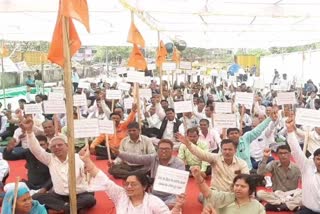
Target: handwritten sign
column 135, row 76
column 223, row 108
column 79, row 100
column 32, row 109
column 244, row 98
column 170, row 180
column 56, row 96
column 169, row 66
column 124, row 86
column 86, row 128
column 113, row 94
column 308, row 117
column 106, row 127
column 183, row 106
column 54, row 107
column 225, row 120
column 286, row 98
column 127, row 102
column 185, row 65
column 145, row 93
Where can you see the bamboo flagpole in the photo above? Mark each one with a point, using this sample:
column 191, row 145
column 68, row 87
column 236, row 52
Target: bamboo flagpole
column 137, row 98
column 2, row 74
column 15, row 196
column 69, row 113
column 160, row 67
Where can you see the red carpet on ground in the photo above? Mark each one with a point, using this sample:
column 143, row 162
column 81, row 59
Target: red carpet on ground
column 104, row 204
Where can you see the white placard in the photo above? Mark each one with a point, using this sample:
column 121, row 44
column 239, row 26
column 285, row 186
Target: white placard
column 286, row 98
column 86, row 128
column 113, row 94
column 169, row 66
column 56, row 96
column 178, row 71
column 54, row 107
column 124, row 86
column 32, row 109
column 244, row 98
column 183, row 106
column 79, row 100
column 276, row 87
column 185, row 65
column 135, row 76
column 145, row 93
column 222, row 108
column 85, row 85
column 152, row 66
column 106, row 127
column 170, row 180
column 259, row 84
column 308, row 117
column 225, row 120
column 121, row 70
column 127, row 102
column 58, row 90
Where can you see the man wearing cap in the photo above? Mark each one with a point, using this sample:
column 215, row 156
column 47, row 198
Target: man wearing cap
column 57, row 162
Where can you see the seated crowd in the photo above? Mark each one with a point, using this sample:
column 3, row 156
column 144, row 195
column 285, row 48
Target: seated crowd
column 263, row 148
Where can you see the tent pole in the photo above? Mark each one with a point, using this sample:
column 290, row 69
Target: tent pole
column 160, row 68
column 2, row 75
column 69, row 113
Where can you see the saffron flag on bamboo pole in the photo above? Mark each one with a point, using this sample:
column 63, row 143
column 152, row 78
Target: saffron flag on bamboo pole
column 176, row 55
column 134, row 36
column 137, row 59
column 77, row 9
column 161, row 54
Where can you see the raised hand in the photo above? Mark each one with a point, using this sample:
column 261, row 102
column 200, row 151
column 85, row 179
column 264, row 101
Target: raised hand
column 266, row 152
column 290, row 122
column 27, row 125
column 182, row 139
column 195, row 170
column 274, row 113
column 84, row 153
column 208, row 210
column 134, row 107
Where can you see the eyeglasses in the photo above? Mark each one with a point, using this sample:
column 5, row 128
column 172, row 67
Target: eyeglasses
column 165, row 149
column 127, row 184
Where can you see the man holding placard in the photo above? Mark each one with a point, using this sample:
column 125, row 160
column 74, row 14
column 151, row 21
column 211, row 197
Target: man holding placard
column 134, row 143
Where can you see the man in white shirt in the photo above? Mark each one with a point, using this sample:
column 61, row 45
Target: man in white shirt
column 4, row 169
column 210, row 135
column 310, row 171
column 3, row 127
column 57, row 162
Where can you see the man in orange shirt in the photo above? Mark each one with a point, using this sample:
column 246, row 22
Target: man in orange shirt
column 114, row 139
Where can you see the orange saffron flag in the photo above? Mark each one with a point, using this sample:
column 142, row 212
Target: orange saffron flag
column 176, row 55
column 55, row 54
column 134, row 36
column 161, row 54
column 136, row 59
column 77, row 9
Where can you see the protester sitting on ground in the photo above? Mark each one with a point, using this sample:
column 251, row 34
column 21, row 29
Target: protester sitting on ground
column 58, row 165
column 30, row 81
column 238, row 201
column 285, row 180
column 113, row 139
column 38, row 175
column 163, row 157
column 224, row 166
column 310, row 171
column 4, row 170
column 49, row 129
column 137, row 144
column 24, row 203
column 133, row 197
column 210, row 135
column 189, row 120
column 152, row 123
column 190, row 159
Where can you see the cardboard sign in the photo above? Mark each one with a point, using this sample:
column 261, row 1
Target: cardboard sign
column 127, row 102
column 86, row 128
column 124, row 86
column 32, row 109
column 225, row 120
column 222, row 108
column 185, row 65
column 106, row 127
column 308, row 117
column 56, row 96
column 79, row 100
column 244, row 98
column 145, row 93
column 152, row 66
column 286, row 98
column 135, row 76
column 169, row 66
column 183, row 106
column 54, row 106
column 113, row 94
column 170, row 180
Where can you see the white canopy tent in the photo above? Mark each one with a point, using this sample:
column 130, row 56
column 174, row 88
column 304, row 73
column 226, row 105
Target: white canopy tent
column 201, row 23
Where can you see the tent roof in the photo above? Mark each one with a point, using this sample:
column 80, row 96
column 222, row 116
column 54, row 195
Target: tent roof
column 201, row 23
